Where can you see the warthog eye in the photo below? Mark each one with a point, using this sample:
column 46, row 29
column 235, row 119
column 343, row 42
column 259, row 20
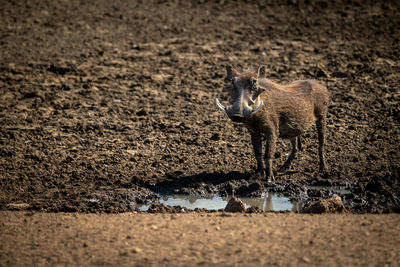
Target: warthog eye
column 253, row 84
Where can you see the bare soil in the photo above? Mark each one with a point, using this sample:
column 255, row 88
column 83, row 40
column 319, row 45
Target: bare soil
column 219, row 239
column 114, row 100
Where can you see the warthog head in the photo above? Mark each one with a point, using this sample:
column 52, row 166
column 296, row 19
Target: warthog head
column 244, row 93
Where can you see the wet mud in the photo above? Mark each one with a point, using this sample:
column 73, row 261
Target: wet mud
column 107, row 105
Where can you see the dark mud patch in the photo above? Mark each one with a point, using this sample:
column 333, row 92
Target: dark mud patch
column 118, row 200
column 216, row 183
column 381, row 194
column 247, row 184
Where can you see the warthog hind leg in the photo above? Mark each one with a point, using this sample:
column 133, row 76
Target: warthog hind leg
column 294, row 142
column 321, row 126
column 299, row 145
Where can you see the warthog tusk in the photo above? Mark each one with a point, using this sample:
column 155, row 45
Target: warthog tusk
column 259, row 108
column 220, row 106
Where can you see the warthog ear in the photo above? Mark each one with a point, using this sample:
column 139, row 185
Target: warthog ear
column 231, row 72
column 261, row 72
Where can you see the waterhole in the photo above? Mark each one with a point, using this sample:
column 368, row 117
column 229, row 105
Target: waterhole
column 269, row 202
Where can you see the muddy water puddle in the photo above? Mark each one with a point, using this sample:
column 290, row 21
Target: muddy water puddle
column 269, row 202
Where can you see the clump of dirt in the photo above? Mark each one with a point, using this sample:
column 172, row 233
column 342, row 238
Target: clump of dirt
column 381, row 194
column 330, row 205
column 235, row 205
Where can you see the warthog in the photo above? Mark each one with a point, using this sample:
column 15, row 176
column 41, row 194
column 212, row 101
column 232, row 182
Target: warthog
column 270, row 110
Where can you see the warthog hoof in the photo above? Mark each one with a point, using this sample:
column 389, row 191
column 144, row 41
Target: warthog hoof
column 270, row 178
column 284, row 167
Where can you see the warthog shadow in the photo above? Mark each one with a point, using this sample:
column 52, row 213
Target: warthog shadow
column 216, row 183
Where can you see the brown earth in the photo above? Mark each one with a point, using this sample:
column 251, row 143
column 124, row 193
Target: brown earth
column 114, row 100
column 218, row 239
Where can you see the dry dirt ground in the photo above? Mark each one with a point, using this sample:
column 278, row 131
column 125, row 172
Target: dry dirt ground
column 218, row 239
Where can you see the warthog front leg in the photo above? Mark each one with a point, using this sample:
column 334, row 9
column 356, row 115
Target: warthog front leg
column 269, row 154
column 299, row 145
column 256, row 141
column 294, row 142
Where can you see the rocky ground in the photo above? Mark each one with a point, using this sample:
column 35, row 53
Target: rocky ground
column 114, row 100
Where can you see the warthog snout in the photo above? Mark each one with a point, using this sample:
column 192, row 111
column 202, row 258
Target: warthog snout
column 237, row 117
column 239, row 112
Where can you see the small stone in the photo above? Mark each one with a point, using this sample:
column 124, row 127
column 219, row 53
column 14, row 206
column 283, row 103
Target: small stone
column 215, row 137
column 235, row 205
column 141, row 112
column 137, row 250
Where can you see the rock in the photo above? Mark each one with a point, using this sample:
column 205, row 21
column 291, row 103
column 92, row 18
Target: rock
column 235, row 205
column 253, row 209
column 215, row 137
column 136, row 250
column 141, row 112
column 330, row 205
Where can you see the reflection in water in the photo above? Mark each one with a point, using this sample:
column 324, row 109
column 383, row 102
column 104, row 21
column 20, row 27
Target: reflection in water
column 263, row 203
column 269, row 202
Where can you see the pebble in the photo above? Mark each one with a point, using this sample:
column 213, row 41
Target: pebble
column 137, row 250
